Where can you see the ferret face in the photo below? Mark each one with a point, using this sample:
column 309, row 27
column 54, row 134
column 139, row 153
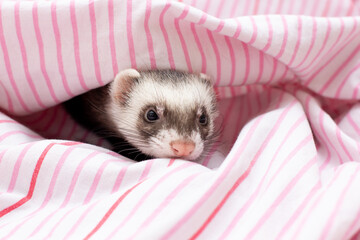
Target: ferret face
column 165, row 113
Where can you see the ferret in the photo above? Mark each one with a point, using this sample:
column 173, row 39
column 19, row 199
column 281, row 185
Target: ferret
column 151, row 113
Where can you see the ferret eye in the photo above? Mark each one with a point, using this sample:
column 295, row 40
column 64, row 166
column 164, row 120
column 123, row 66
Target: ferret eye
column 151, row 116
column 203, row 119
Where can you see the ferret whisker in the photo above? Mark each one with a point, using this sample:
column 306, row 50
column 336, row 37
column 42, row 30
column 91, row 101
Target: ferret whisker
column 131, row 150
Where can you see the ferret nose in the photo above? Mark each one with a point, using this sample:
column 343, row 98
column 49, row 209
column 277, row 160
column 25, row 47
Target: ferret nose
column 182, row 148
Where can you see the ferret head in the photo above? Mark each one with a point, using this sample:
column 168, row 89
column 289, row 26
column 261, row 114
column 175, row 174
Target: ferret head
column 164, row 113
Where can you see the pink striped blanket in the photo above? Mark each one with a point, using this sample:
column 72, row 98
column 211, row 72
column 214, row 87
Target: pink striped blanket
column 287, row 165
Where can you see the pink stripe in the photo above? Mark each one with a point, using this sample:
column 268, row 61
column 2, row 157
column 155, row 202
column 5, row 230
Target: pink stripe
column 85, row 136
column 338, row 71
column 171, row 162
column 353, row 227
column 15, row 173
column 323, row 45
column 94, row 41
column 39, row 117
column 75, row 177
column 249, row 106
column 16, row 228
column 112, row 37
column 286, row 70
column 311, row 78
column 148, row 35
column 48, row 217
column 325, row 11
column 119, row 180
column 24, row 56
column 291, row 155
column 220, row 26
column 217, row 56
column 315, row 9
column 76, row 45
column 328, row 153
column 315, row 203
column 352, row 8
column 261, row 66
column 207, row 5
column 220, row 7
column 166, row 36
column 8, row 121
column 285, row 38
column 345, row 80
column 51, row 232
column 42, row 223
column 184, row 183
column 55, row 174
column 234, row 7
column 111, row 210
column 353, row 123
column 202, row 19
column 299, row 27
column 58, row 49
column 256, row 7
column 326, row 137
column 273, row 72
column 251, row 199
column 29, row 216
column 291, row 11
column 41, row 52
column 280, row 198
column 129, row 33
column 182, row 40
column 143, row 198
column 8, row 99
column 255, row 31
column 8, row 65
column 61, row 125
column 233, row 60
column 8, row 134
column 246, row 8
column 146, row 170
column 96, row 180
column 338, row 135
column 238, row 29
column 199, row 45
column 73, row 130
column 46, row 127
column 270, row 37
column 247, row 61
column 79, row 221
column 296, row 215
column 279, row 7
column 258, row 100
column 339, row 203
column 240, row 121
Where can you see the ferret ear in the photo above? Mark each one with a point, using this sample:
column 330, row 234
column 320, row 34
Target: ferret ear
column 122, row 84
column 206, row 78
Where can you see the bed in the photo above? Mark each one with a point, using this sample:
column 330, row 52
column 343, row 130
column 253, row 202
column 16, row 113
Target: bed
column 287, row 76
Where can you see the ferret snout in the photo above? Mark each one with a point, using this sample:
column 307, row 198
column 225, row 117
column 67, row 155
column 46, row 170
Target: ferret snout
column 182, row 148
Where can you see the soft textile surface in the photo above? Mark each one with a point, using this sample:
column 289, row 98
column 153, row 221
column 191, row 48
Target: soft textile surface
column 287, row 165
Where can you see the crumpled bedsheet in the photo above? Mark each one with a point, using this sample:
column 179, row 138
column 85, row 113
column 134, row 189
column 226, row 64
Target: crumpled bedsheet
column 287, row 165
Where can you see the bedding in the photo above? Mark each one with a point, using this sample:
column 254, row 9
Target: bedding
column 287, row 165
